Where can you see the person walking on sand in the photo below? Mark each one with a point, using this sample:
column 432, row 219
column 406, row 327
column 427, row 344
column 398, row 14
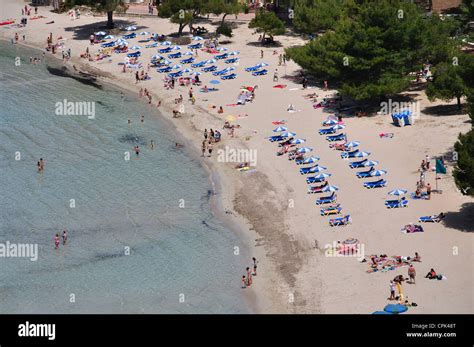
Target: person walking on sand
column 275, row 76
column 428, row 191
column 249, row 276
column 325, row 85
column 412, row 274
column 209, row 148
column 254, row 266
column 56, row 241
column 205, row 134
column 392, row 291
column 244, row 282
column 203, row 148
column 261, row 53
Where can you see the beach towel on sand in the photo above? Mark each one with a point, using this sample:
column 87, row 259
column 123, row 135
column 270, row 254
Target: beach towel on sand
column 281, row 86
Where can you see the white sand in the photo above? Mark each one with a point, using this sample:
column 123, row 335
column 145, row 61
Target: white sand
column 272, row 203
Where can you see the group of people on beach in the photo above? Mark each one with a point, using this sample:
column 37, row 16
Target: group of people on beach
column 421, row 184
column 247, row 279
column 210, row 138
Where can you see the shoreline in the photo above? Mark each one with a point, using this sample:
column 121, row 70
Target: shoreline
column 239, row 224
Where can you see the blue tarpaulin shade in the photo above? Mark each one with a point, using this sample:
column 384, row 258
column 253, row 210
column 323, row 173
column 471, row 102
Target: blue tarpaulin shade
column 395, row 308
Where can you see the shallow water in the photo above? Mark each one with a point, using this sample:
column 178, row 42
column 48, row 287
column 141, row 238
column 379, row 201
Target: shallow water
column 181, row 257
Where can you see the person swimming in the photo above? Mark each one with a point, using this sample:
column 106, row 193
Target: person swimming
column 64, row 236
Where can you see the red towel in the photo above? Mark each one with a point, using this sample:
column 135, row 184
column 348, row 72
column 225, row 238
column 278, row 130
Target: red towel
column 281, row 86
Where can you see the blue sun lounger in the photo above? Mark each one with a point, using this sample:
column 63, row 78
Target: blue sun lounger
column 359, row 164
column 396, row 203
column 253, row 68
column 276, row 138
column 174, row 55
column 221, row 72
column 334, row 222
column 329, row 210
column 195, row 46
column 165, row 50
column 176, row 74
column 375, row 184
column 187, row 61
column 209, row 68
column 200, row 64
column 339, row 137
column 129, row 36
column 313, row 179
column 134, row 54
column 364, row 174
column 152, row 45
column 326, row 199
column 430, row 219
column 260, row 73
column 109, row 44
column 164, row 69
column 351, row 154
column 327, row 131
column 222, row 56
column 229, row 77
column 307, row 170
column 232, row 60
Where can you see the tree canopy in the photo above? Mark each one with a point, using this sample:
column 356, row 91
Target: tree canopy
column 374, row 47
column 311, row 16
column 268, row 23
column 108, row 6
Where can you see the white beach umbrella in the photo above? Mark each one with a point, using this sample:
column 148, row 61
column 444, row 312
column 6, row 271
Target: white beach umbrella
column 234, row 53
column 352, row 144
column 297, row 141
column 304, row 150
column 144, row 33
column 188, row 53
column 222, row 49
column 311, row 160
column 330, row 122
column 156, row 56
column 196, row 73
column 210, row 61
column 330, row 189
column 280, row 129
column 322, row 176
column 136, row 47
column 187, row 70
column 166, row 43
column 108, row 37
column 166, row 62
column 197, row 38
column 318, row 168
column 288, row 134
column 338, row 127
column 370, row 163
column 397, row 192
column 361, row 154
column 176, row 48
column 378, row 173
column 100, row 33
column 131, row 28
column 176, row 66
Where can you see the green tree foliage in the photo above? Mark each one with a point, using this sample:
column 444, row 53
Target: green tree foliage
column 311, row 16
column 464, row 170
column 224, row 8
column 374, row 47
column 107, row 6
column 267, row 23
column 182, row 12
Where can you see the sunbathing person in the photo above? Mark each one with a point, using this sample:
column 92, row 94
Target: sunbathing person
column 431, row 275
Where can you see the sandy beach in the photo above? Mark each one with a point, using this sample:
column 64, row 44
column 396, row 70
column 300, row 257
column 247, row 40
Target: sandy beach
column 270, row 205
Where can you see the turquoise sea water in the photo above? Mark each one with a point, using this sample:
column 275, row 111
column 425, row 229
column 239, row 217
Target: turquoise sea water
column 181, row 259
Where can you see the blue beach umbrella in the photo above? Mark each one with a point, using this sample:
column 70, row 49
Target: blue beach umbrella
column 304, row 149
column 176, row 48
column 196, row 73
column 330, row 189
column 310, row 160
column 108, row 37
column 234, row 53
column 187, row 70
column 280, row 129
column 338, row 127
column 100, row 33
column 330, row 122
column 378, row 173
column 188, row 53
column 397, row 192
column 298, row 141
column 131, row 28
column 176, row 66
column 214, row 82
column 144, row 33
column 318, row 168
column 222, row 49
column 197, row 38
column 361, row 154
column 166, row 43
column 136, row 47
column 210, row 61
column 395, row 308
column 288, row 134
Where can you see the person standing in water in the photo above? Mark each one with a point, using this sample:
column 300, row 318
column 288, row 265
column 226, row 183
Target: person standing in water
column 249, row 276
column 137, row 150
column 64, row 236
column 209, row 148
column 56, row 241
column 203, row 148
column 152, row 144
column 254, row 266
